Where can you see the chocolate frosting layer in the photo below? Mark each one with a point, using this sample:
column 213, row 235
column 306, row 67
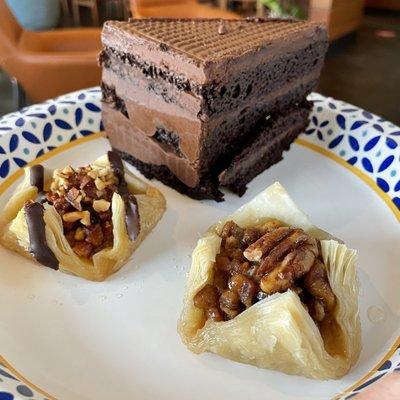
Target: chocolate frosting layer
column 37, row 236
column 132, row 219
column 37, row 177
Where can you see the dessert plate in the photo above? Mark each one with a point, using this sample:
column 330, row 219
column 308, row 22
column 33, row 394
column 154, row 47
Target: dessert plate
column 65, row 338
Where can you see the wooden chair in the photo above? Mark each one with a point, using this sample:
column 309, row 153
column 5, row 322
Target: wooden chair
column 177, row 9
column 259, row 5
column 48, row 63
column 122, row 6
column 94, row 10
column 341, row 16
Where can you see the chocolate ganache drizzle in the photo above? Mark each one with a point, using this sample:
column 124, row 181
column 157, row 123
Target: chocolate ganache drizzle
column 37, row 235
column 132, row 219
column 37, row 177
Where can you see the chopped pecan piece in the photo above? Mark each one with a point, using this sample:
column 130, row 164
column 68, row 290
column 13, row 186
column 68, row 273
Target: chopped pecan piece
column 74, row 198
column 220, row 281
column 207, row 300
column 230, row 303
column 221, row 262
column 206, row 297
column 85, row 181
column 100, row 184
column 106, row 215
column 214, row 314
column 83, row 249
column 68, row 171
column 250, row 235
column 232, row 229
column 101, row 205
column 60, row 204
column 317, row 284
column 108, row 235
column 236, row 254
column 70, row 236
column 73, row 216
column 231, row 242
column 79, row 234
column 94, row 235
column 244, row 287
column 316, row 310
column 270, row 225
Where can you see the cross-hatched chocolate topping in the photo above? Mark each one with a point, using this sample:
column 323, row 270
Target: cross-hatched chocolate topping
column 201, row 39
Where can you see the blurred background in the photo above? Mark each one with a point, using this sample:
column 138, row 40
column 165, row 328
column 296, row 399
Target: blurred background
column 50, row 47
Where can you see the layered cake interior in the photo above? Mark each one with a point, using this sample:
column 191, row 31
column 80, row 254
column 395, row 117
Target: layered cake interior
column 201, row 104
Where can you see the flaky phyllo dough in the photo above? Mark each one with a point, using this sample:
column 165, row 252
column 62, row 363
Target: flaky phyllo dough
column 149, row 204
column 278, row 331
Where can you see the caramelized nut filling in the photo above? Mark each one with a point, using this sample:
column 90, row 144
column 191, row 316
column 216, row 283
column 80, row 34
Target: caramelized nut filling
column 82, row 197
column 254, row 263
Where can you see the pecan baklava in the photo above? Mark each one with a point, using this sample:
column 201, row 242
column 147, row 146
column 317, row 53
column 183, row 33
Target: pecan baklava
column 268, row 288
column 86, row 221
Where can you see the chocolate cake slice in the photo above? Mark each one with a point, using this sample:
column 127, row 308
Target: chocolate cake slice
column 200, row 104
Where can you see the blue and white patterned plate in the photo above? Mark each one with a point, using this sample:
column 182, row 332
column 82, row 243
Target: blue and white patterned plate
column 65, row 338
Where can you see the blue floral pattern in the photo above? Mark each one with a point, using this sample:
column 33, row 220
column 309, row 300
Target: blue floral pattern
column 35, row 130
column 364, row 140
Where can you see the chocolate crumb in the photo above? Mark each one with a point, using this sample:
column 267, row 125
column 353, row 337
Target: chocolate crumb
column 222, row 29
column 163, row 47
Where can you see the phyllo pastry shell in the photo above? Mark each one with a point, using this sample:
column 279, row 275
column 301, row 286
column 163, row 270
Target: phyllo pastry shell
column 268, row 288
column 85, row 221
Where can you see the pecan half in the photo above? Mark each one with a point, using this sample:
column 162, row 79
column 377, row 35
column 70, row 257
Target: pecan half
column 266, row 243
column 294, row 265
column 296, row 238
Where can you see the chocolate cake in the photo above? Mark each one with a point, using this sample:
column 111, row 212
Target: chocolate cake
column 200, row 104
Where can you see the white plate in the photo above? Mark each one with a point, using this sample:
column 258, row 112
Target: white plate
column 66, row 338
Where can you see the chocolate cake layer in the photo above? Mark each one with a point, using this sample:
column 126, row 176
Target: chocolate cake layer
column 259, row 156
column 265, row 150
column 271, row 137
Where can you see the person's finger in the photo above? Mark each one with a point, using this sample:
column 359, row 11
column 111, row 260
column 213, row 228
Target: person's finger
column 387, row 388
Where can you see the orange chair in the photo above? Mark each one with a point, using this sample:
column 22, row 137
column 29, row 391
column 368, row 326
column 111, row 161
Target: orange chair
column 48, row 63
column 177, row 9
